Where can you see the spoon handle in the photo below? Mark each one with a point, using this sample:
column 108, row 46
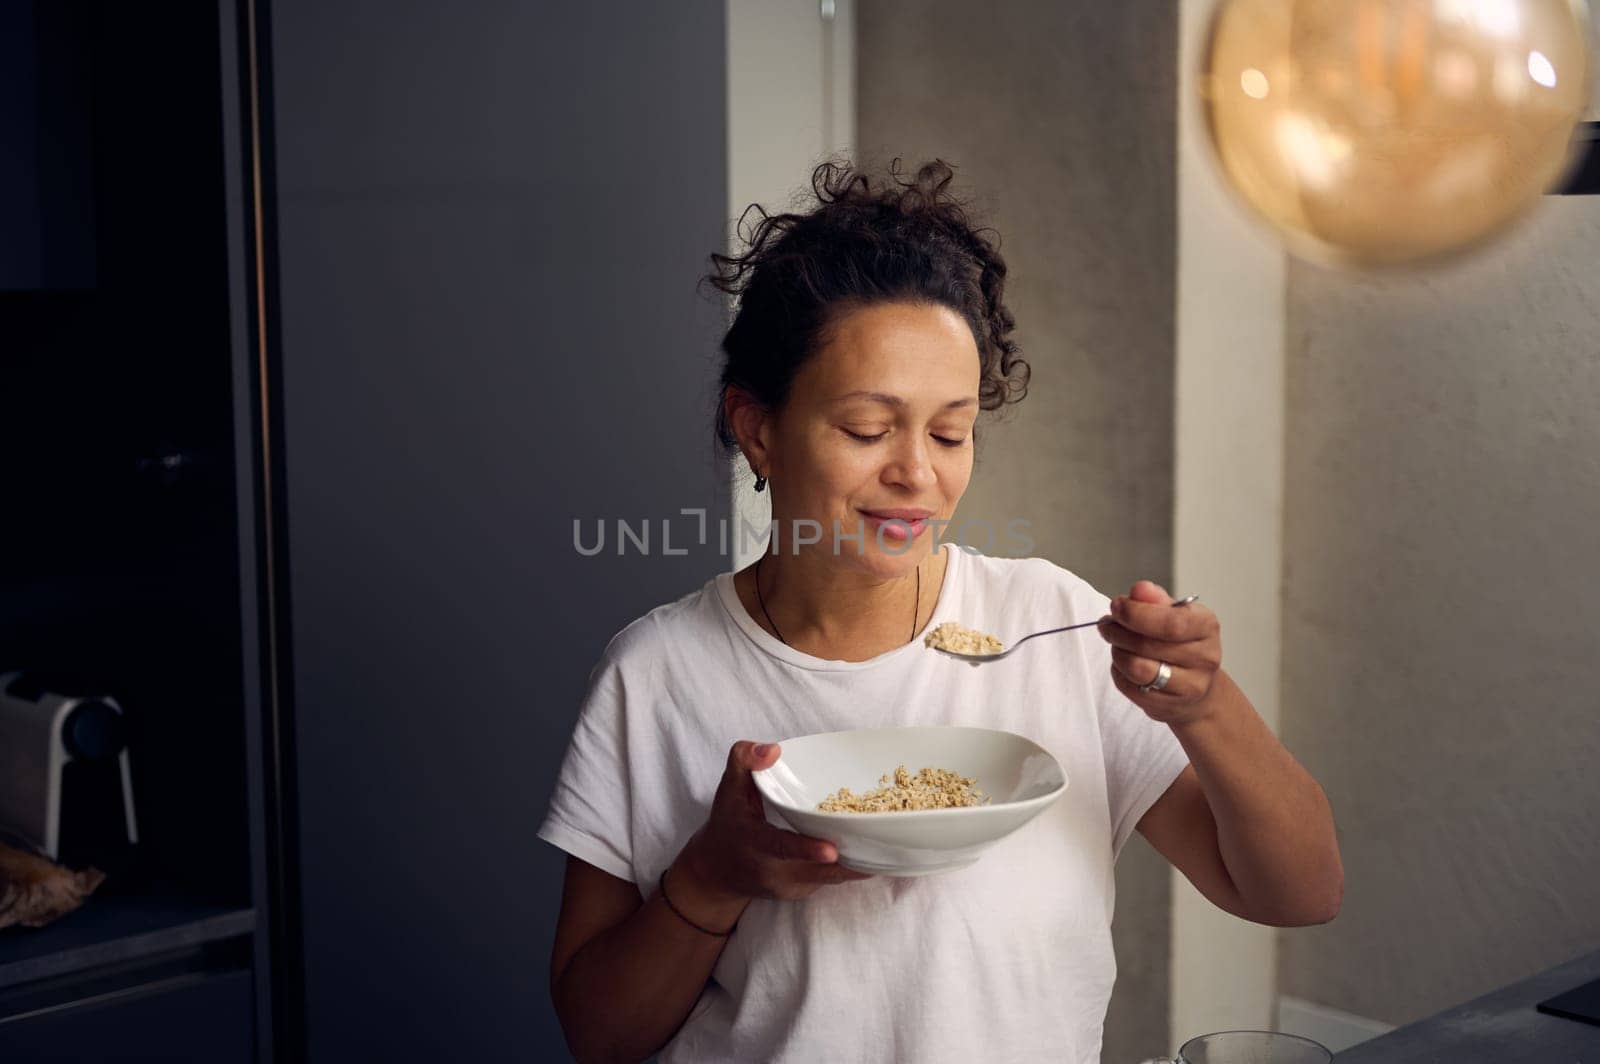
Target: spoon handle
column 1053, row 631
column 1085, row 624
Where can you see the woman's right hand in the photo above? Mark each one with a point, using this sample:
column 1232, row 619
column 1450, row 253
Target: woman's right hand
column 737, row 855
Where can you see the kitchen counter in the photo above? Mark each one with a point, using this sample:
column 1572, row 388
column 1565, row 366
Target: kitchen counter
column 1502, row 1027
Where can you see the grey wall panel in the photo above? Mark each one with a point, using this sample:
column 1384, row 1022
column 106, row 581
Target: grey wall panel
column 491, row 221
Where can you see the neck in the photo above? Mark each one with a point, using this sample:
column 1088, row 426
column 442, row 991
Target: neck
column 831, row 611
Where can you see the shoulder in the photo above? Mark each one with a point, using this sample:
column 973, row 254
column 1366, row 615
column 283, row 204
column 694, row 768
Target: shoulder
column 1034, row 575
column 1024, row 594
column 644, row 641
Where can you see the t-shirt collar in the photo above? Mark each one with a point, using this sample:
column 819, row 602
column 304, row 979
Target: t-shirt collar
column 728, row 594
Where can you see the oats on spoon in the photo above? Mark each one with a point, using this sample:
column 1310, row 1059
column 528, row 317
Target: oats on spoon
column 959, row 639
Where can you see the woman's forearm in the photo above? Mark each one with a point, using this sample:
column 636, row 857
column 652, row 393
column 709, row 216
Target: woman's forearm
column 1274, row 823
column 628, row 990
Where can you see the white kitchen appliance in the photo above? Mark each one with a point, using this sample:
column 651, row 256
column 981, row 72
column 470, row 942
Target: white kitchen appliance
column 65, row 780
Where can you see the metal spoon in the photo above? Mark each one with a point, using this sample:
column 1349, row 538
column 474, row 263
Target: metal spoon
column 978, row 659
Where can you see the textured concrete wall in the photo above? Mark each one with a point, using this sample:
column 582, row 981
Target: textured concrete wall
column 791, row 104
column 1441, row 612
column 1060, row 118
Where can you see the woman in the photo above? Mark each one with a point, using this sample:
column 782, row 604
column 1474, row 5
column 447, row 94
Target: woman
column 870, row 334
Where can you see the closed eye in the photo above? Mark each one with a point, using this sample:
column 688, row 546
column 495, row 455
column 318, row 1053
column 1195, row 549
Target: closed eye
column 947, row 441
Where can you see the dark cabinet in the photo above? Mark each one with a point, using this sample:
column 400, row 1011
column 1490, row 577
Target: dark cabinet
column 182, row 1020
column 380, row 300
column 130, row 560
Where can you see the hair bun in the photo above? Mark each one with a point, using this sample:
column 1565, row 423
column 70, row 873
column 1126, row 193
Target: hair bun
column 863, row 241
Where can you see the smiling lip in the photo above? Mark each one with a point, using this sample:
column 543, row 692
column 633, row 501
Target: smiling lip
column 902, row 515
column 915, row 522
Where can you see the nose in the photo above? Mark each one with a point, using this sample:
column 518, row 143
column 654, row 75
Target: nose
column 909, row 467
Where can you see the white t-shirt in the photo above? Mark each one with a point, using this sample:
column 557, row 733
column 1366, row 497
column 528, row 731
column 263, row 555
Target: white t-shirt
column 1008, row 959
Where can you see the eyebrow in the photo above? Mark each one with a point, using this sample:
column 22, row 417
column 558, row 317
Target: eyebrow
column 896, row 401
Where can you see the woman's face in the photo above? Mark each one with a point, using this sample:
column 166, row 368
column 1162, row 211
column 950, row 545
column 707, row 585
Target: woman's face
column 878, row 425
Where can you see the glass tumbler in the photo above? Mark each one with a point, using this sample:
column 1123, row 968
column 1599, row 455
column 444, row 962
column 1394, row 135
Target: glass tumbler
column 1248, row 1047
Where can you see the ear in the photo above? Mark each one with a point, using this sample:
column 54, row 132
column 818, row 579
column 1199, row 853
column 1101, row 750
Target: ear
column 752, row 426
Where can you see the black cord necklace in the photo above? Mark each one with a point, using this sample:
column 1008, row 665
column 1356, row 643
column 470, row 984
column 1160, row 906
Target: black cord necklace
column 916, row 607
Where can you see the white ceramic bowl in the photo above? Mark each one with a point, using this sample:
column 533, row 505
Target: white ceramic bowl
column 1020, row 777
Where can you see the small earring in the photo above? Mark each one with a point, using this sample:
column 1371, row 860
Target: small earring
column 761, row 481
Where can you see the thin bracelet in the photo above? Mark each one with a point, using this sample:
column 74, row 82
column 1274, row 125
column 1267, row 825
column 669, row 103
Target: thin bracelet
column 704, row 930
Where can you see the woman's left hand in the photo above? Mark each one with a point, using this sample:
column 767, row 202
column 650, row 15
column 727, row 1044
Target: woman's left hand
column 1144, row 630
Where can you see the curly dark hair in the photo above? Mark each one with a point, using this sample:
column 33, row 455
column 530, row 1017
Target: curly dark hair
column 885, row 241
